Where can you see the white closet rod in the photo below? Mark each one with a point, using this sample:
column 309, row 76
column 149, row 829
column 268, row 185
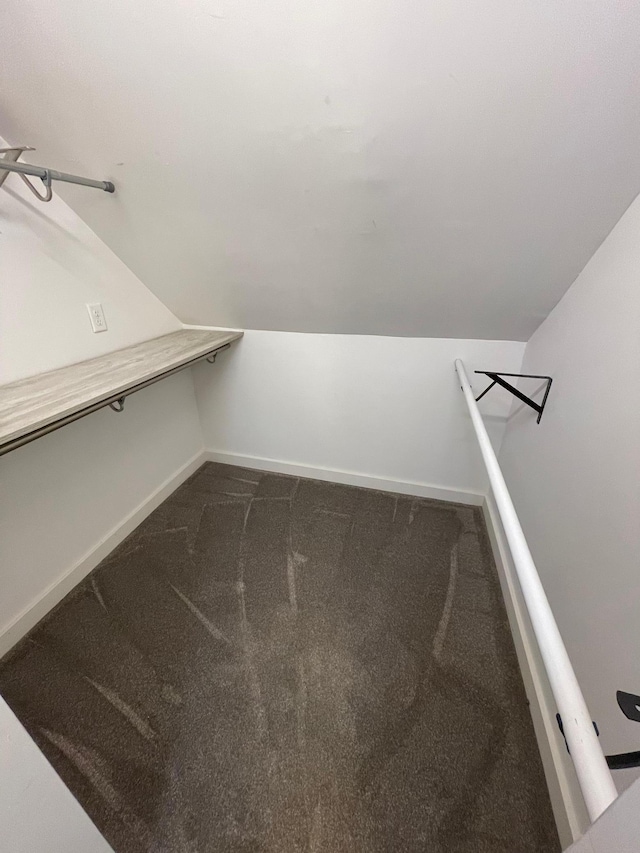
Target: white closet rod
column 594, row 776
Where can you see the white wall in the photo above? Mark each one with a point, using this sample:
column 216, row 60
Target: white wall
column 51, row 265
column 575, row 477
column 37, row 812
column 62, row 495
column 373, row 407
column 439, row 169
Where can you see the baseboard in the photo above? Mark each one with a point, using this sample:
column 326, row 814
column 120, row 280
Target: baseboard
column 566, row 799
column 55, row 592
column 348, row 478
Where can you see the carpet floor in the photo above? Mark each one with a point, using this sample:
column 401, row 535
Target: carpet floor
column 274, row 665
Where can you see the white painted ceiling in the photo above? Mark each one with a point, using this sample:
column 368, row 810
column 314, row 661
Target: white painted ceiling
column 409, row 167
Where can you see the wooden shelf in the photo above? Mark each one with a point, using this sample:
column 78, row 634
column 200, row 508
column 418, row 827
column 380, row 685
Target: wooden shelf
column 32, row 407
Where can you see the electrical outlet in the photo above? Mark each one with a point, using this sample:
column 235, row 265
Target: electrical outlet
column 96, row 315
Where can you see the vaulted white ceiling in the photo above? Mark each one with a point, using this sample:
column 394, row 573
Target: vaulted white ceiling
column 415, row 167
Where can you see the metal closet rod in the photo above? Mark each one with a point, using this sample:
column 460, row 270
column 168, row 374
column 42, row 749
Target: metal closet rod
column 48, row 175
column 117, row 399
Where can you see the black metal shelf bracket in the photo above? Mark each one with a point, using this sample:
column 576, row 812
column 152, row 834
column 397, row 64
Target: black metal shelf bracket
column 630, row 706
column 498, row 380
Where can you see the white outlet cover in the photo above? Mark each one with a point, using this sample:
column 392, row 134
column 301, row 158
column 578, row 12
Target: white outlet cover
column 96, row 315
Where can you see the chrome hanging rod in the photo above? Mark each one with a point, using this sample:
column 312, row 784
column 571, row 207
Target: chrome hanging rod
column 48, row 175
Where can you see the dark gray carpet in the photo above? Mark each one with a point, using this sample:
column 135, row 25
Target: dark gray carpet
column 283, row 665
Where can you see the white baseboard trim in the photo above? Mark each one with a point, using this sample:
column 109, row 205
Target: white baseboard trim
column 566, row 798
column 56, row 591
column 348, row 478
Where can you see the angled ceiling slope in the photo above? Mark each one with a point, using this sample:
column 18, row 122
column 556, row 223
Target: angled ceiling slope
column 401, row 168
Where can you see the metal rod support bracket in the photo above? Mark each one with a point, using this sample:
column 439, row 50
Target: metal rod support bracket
column 117, row 405
column 498, row 380
column 211, row 358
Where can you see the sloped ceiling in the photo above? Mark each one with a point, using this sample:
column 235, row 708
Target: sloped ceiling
column 417, row 167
